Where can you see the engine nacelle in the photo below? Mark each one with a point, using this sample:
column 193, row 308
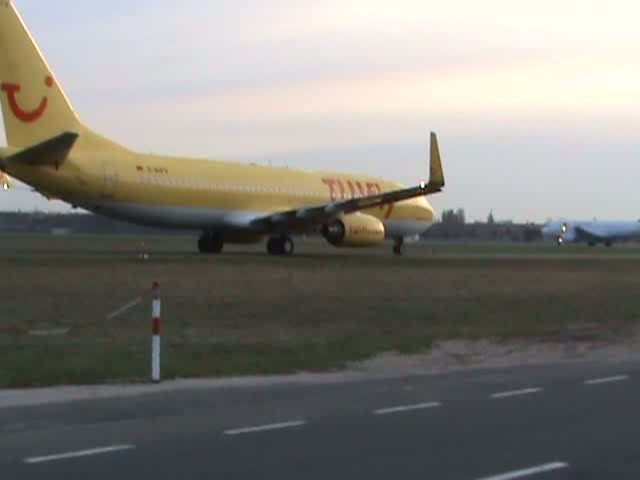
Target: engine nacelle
column 355, row 230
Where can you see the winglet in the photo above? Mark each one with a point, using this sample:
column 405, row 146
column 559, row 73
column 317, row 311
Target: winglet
column 436, row 174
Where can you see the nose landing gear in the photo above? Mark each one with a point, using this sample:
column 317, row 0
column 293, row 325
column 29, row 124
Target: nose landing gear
column 398, row 246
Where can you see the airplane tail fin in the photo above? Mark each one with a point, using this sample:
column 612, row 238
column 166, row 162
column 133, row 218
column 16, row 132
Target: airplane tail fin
column 33, row 103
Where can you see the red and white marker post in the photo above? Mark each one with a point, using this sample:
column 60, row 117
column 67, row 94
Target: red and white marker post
column 155, row 341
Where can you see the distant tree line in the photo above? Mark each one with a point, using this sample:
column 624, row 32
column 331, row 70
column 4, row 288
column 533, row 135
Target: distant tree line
column 453, row 226
column 453, row 217
column 60, row 223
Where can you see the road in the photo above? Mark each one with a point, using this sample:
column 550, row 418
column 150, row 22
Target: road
column 567, row 421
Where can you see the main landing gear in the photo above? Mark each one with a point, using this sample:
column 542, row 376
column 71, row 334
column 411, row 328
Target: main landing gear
column 282, row 245
column 211, row 242
column 398, row 246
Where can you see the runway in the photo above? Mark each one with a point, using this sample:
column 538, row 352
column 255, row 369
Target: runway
column 554, row 422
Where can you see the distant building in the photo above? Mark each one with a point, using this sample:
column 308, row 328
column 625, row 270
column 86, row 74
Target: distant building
column 507, row 232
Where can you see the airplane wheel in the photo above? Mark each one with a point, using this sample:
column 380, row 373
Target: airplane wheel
column 280, row 246
column 287, row 246
column 397, row 247
column 274, row 246
column 211, row 243
column 202, row 245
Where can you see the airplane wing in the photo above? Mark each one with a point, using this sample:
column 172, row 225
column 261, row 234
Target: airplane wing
column 590, row 233
column 305, row 217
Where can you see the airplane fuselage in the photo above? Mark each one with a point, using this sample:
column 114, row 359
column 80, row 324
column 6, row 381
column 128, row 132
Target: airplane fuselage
column 200, row 194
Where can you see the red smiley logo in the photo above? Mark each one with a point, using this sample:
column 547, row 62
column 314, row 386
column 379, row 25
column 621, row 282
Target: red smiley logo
column 11, row 89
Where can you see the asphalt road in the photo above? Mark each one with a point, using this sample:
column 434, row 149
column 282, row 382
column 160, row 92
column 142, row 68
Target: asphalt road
column 576, row 421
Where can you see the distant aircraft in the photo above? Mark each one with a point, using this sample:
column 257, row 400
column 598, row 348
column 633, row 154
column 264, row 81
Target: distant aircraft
column 52, row 151
column 591, row 232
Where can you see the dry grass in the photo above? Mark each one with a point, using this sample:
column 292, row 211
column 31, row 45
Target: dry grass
column 246, row 313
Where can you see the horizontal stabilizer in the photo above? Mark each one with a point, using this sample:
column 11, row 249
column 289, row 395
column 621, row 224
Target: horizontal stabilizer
column 51, row 152
column 592, row 233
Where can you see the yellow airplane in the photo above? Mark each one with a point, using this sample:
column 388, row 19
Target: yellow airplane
column 50, row 149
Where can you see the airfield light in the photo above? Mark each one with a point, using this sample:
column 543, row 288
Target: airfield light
column 5, row 186
column 564, row 228
column 423, row 184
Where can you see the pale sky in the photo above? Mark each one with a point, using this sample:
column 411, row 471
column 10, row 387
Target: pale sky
column 536, row 103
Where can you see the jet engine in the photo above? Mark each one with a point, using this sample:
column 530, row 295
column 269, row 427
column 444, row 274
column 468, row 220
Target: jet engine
column 355, row 230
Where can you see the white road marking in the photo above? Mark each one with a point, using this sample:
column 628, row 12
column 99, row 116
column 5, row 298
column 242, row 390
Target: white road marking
column 125, row 308
column 80, row 453
column 527, row 472
column 264, row 428
column 54, row 332
column 406, row 408
column 516, row 393
column 597, row 381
